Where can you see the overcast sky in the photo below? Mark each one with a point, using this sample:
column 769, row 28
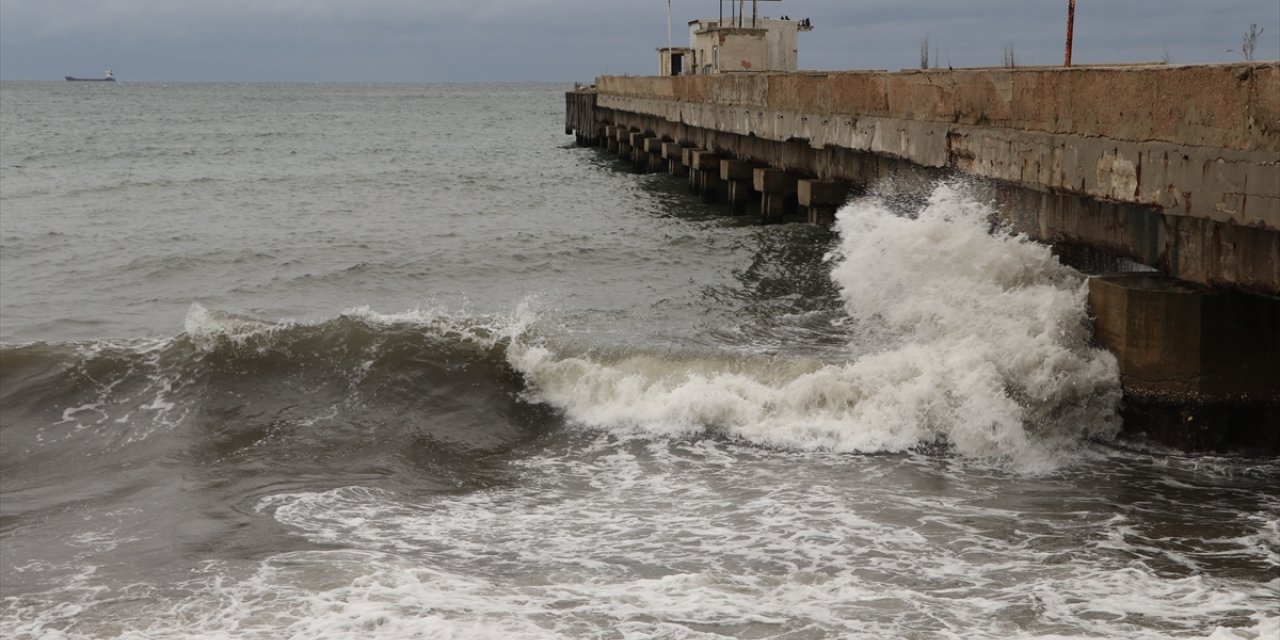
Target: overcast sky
column 565, row 40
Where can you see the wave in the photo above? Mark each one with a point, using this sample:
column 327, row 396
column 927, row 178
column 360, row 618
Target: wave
column 957, row 336
column 973, row 339
column 252, row 387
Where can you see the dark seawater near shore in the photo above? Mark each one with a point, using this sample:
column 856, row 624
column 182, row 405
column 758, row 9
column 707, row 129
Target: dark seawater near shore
column 398, row 361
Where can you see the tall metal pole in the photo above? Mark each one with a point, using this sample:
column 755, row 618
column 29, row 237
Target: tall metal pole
column 1071, row 23
column 668, row 27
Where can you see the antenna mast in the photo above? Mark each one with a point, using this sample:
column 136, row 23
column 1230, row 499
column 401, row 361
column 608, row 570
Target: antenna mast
column 1071, row 23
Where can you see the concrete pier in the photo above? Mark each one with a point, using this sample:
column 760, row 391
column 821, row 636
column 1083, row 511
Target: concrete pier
column 1172, row 167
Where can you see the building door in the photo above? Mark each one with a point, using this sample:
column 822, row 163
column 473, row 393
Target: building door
column 677, row 64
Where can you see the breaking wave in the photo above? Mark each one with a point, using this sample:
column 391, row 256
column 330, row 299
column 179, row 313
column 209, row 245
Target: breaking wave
column 359, row 378
column 969, row 338
column 957, row 336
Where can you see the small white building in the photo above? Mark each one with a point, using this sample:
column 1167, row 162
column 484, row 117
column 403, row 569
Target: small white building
column 744, row 45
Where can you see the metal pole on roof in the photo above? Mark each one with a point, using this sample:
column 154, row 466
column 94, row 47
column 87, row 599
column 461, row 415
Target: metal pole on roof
column 741, row 7
column 668, row 27
column 755, row 11
column 1071, row 22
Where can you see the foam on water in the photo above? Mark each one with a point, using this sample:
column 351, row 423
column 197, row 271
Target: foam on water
column 976, row 339
column 700, row 539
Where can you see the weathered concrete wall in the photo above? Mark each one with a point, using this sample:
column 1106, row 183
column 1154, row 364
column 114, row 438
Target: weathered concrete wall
column 1233, row 106
column 580, row 116
column 1192, row 151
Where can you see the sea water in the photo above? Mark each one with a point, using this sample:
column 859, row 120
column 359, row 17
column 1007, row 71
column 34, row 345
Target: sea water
column 399, row 361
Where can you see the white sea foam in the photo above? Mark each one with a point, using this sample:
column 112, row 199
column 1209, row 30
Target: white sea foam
column 206, row 326
column 981, row 340
column 459, row 324
column 702, row 539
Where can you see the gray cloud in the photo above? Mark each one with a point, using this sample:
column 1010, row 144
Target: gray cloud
column 450, row 40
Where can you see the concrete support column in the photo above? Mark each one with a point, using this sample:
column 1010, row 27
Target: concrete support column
column 639, row 159
column 1200, row 367
column 624, row 142
column 822, row 198
column 686, row 156
column 653, row 154
column 777, row 192
column 737, row 175
column 611, row 138
column 704, row 172
column 673, row 152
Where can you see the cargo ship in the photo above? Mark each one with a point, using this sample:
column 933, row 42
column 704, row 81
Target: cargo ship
column 108, row 77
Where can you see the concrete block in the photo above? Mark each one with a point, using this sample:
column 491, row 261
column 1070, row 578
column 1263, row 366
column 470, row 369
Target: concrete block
column 705, row 161
column 636, row 138
column 1152, row 325
column 735, row 170
column 821, row 192
column 1172, row 337
column 773, row 181
column 653, row 144
column 672, row 150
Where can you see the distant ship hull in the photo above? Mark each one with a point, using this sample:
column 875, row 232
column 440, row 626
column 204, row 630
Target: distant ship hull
column 73, row 79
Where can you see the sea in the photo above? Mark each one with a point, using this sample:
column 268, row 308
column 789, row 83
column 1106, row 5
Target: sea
column 321, row 361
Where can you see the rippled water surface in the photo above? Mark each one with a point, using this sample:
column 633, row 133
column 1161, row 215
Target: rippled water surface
column 396, row 361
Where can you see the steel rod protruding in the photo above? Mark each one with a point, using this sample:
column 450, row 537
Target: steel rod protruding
column 1071, row 22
